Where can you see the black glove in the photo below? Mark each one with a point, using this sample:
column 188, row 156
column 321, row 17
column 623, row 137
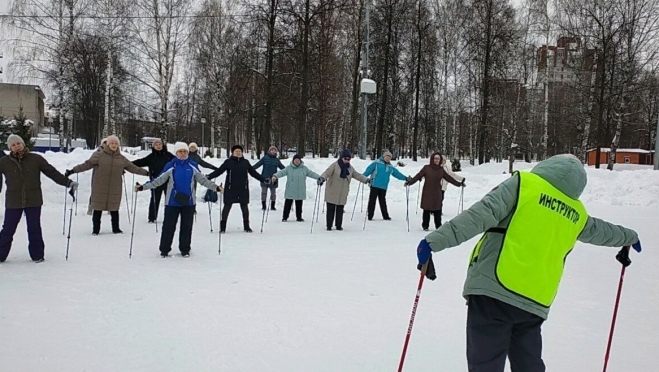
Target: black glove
column 463, row 184
column 623, row 257
column 320, row 181
column 68, row 173
column 430, row 271
column 267, row 181
column 139, row 187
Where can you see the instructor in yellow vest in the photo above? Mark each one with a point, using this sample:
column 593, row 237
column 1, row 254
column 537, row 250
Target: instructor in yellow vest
column 530, row 223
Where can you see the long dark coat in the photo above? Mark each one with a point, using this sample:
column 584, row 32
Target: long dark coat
column 236, row 185
column 431, row 199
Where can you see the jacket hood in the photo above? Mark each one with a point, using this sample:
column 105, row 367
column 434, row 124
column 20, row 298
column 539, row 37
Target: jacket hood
column 297, row 166
column 565, row 172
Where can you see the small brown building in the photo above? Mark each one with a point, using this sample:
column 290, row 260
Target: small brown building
column 31, row 97
column 623, row 156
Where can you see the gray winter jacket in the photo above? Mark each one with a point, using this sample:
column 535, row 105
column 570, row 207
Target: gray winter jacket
column 495, row 210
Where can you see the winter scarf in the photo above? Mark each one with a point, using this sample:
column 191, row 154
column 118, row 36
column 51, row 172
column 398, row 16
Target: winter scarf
column 19, row 155
column 345, row 168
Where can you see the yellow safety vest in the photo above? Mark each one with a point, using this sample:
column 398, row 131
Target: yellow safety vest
column 542, row 231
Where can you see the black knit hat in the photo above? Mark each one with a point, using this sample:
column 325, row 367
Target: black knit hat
column 297, row 156
column 236, row 147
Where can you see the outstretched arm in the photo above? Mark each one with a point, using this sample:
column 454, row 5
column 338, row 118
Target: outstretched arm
column 205, row 164
column 281, row 173
column 132, row 168
column 88, row 164
column 600, row 232
column 201, row 179
column 358, row 176
column 159, row 181
column 143, row 162
column 218, row 172
column 252, row 172
column 52, row 173
column 485, row 214
column 369, row 170
column 396, row 173
column 420, row 175
column 312, row 174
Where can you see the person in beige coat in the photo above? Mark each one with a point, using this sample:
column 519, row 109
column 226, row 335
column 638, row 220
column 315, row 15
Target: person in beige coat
column 338, row 177
column 107, row 185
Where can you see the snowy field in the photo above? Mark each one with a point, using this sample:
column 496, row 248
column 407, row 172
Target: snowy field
column 288, row 300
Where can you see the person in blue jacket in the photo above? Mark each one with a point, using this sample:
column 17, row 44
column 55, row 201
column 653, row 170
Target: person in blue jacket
column 381, row 170
column 180, row 198
column 270, row 163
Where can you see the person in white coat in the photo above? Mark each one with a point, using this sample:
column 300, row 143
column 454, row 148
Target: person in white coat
column 449, row 171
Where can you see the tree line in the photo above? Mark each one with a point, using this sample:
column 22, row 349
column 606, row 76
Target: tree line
column 477, row 79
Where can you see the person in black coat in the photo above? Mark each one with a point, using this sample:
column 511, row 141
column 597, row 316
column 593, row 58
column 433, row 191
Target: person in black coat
column 236, row 185
column 156, row 161
column 195, row 157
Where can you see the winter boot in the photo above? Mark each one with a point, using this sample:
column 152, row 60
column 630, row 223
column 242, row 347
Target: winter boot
column 96, row 222
column 272, row 206
column 114, row 215
column 263, row 206
column 246, row 227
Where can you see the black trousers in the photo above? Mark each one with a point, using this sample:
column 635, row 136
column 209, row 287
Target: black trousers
column 425, row 223
column 154, row 204
column 288, row 204
column 96, row 221
column 379, row 195
column 169, row 228
column 496, row 330
column 225, row 215
column 334, row 211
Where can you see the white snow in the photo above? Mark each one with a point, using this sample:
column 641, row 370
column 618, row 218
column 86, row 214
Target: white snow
column 288, row 300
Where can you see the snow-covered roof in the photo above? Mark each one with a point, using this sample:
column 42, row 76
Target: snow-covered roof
column 638, row 151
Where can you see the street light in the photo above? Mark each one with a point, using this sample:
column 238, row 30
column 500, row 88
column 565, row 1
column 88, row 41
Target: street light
column 203, row 124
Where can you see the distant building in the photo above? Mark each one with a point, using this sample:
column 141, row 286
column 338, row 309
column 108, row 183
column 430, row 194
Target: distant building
column 566, row 62
column 31, row 97
column 623, row 156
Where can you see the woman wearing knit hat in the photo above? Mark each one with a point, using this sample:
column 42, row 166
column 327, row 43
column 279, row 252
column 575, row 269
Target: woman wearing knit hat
column 22, row 171
column 338, row 176
column 236, row 185
column 195, row 157
column 382, row 171
column 180, row 180
column 107, row 185
column 270, row 163
column 296, row 186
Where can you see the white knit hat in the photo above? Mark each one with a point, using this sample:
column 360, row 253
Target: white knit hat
column 14, row 138
column 180, row 146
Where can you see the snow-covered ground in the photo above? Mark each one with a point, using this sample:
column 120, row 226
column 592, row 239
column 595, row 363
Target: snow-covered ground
column 288, row 300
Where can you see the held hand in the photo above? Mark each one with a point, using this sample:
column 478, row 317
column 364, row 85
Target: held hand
column 220, row 189
column 74, row 185
column 320, row 181
column 68, row 173
column 423, row 252
column 139, row 187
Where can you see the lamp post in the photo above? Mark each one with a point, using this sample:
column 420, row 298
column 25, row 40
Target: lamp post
column 203, row 125
column 50, row 131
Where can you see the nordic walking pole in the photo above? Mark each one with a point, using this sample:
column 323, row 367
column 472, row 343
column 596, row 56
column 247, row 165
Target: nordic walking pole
column 319, row 201
column 68, row 238
column 210, row 218
column 362, row 210
column 219, row 244
column 424, row 268
column 64, row 218
column 407, row 198
column 76, row 197
column 615, row 315
column 263, row 218
column 132, row 229
column 126, row 194
column 356, row 197
column 417, row 198
column 315, row 207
